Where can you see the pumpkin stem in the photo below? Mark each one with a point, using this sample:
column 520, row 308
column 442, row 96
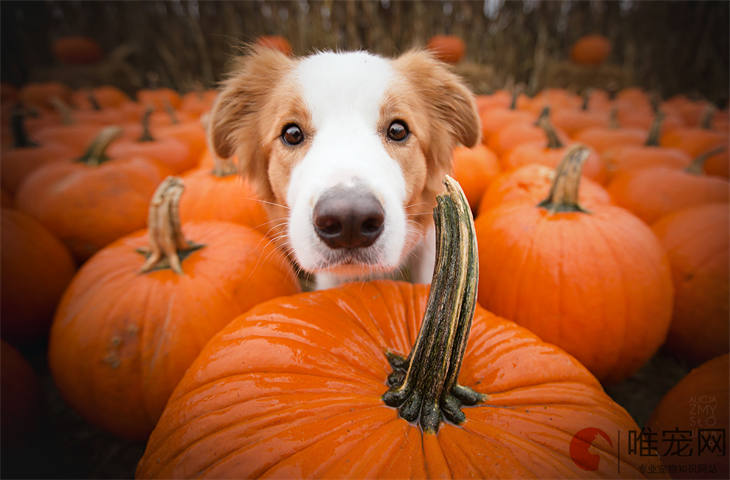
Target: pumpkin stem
column 613, row 118
column 64, row 110
column 697, row 167
column 424, row 386
column 96, row 153
column 706, row 121
column 563, row 196
column 655, row 131
column 20, row 133
column 223, row 167
column 171, row 112
column 586, row 99
column 146, row 134
column 544, row 115
column 168, row 246
column 515, row 96
column 93, row 101
column 553, row 140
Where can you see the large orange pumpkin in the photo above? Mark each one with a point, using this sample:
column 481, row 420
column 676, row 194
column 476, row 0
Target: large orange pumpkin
column 222, row 194
column 36, row 268
column 590, row 50
column 694, row 415
column 76, row 50
column 696, row 240
column 93, row 201
column 134, row 318
column 596, row 283
column 296, row 388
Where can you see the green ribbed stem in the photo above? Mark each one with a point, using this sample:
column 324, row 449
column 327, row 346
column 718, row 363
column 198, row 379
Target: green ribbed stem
column 706, row 120
column 424, row 386
column 171, row 112
column 64, row 110
column 697, row 167
column 553, row 140
column 563, row 196
column 96, row 153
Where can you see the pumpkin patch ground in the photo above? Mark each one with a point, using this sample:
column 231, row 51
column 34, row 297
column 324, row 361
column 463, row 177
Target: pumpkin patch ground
column 577, row 324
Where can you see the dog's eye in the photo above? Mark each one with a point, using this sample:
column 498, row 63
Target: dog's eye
column 291, row 134
column 398, row 131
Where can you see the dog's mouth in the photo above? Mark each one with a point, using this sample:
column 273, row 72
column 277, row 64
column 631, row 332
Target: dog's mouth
column 352, row 261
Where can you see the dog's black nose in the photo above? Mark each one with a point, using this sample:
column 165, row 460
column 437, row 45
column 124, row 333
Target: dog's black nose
column 348, row 217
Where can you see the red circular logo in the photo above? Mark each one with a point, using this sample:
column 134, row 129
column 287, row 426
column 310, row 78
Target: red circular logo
column 580, row 444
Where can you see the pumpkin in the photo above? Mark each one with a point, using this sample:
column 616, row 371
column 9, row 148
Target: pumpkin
column 159, row 98
column 572, row 120
column 76, row 50
column 198, row 102
column 519, row 132
column 696, row 241
column 36, row 268
column 696, row 141
column 171, row 152
column 549, row 153
column 531, row 184
column 39, row 94
column 553, row 98
column 277, row 42
column 99, row 98
column 296, row 387
column 595, row 283
column 474, row 169
column 653, row 192
column 603, row 139
column 648, row 155
column 492, row 119
column 447, row 48
column 134, row 318
column 27, row 155
column 91, row 202
column 590, row 50
column 222, row 194
column 696, row 409
column 20, row 411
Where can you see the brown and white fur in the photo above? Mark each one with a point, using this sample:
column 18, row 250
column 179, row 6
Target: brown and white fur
column 344, row 106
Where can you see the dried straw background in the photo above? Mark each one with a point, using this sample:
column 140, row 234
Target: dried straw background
column 668, row 47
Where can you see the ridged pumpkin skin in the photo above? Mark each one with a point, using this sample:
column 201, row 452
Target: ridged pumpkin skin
column 531, row 184
column 90, row 207
column 653, row 192
column 226, row 198
column 36, row 268
column 699, row 401
column 596, row 284
column 697, row 240
column 122, row 339
column 538, row 153
column 292, row 389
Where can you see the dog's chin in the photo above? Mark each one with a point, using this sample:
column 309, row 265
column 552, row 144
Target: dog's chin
column 353, row 263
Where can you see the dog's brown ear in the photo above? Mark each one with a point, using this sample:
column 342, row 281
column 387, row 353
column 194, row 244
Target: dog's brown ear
column 244, row 93
column 450, row 101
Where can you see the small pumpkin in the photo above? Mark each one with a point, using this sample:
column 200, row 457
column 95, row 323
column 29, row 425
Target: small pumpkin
column 521, row 132
column 590, row 50
column 171, row 152
column 653, row 192
column 696, row 408
column 277, row 42
column 36, row 268
column 492, row 119
column 447, row 48
column 77, row 50
column 571, row 120
column 315, row 386
column 137, row 313
column 581, row 279
column 604, row 139
column 99, row 98
column 696, row 240
column 696, row 141
column 94, row 200
column 158, row 98
column 531, row 184
column 39, row 94
column 221, row 194
column 474, row 169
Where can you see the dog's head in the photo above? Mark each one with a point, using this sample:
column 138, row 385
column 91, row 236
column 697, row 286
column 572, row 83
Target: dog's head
column 347, row 149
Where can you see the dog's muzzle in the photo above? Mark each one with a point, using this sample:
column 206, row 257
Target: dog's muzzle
column 348, row 217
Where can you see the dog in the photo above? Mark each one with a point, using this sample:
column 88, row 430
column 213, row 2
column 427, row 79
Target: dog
column 348, row 151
